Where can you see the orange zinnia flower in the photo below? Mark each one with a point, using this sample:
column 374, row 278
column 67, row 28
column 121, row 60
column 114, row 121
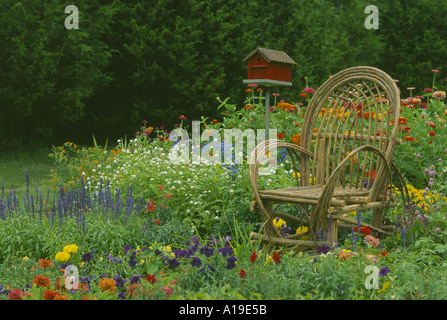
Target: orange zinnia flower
column 41, row 281
column 296, row 139
column 107, row 284
column 150, row 206
column 402, row 121
column 49, row 294
column 280, row 135
column 44, row 263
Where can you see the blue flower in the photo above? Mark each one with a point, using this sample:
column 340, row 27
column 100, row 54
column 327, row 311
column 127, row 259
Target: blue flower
column 182, row 253
column 211, row 268
column 384, row 271
column 119, row 281
column 195, row 239
column 323, row 249
column 127, row 248
column 113, row 259
column 88, row 256
column 172, row 263
column 133, row 261
column 226, row 251
column 135, row 279
column 196, row 262
column 207, row 252
column 231, row 262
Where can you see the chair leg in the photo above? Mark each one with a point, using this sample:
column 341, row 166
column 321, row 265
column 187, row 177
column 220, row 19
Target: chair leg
column 377, row 218
column 333, row 232
column 269, row 228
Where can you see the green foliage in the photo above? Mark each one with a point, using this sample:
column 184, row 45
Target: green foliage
column 160, row 59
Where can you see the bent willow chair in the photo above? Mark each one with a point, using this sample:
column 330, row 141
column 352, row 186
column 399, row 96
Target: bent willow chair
column 342, row 165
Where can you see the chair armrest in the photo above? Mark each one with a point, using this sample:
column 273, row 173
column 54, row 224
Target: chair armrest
column 261, row 150
column 328, row 192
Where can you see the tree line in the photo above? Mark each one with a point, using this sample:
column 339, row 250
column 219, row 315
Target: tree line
column 132, row 60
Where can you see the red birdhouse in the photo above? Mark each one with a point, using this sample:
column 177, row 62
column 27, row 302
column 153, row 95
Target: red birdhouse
column 269, row 67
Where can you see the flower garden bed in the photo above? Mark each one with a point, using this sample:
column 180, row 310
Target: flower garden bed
column 125, row 223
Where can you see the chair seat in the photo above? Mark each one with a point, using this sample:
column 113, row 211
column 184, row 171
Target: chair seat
column 311, row 195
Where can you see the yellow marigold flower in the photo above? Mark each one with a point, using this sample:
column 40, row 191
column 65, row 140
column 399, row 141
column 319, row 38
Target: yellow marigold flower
column 279, row 223
column 62, row 256
column 71, row 248
column 385, row 286
column 297, row 174
column 301, row 230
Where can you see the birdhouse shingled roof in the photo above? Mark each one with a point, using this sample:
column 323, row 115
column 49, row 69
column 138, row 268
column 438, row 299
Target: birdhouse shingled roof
column 271, row 55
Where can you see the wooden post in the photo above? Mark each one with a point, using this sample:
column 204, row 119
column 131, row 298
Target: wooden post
column 267, row 112
column 333, row 232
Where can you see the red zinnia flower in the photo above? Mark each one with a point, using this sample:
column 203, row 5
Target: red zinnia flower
column 275, row 257
column 242, row 274
column 253, row 257
column 402, row 121
column 432, row 133
column 151, row 278
column 15, row 294
column 363, row 230
column 150, row 206
column 214, row 121
column 280, row 135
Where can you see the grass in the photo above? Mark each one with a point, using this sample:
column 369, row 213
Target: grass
column 13, row 168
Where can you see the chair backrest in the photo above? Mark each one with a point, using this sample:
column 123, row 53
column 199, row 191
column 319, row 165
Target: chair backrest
column 357, row 106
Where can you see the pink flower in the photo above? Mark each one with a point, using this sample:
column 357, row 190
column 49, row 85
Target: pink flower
column 168, row 291
column 308, row 90
column 435, row 70
column 253, row 85
column 440, row 95
column 428, row 90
